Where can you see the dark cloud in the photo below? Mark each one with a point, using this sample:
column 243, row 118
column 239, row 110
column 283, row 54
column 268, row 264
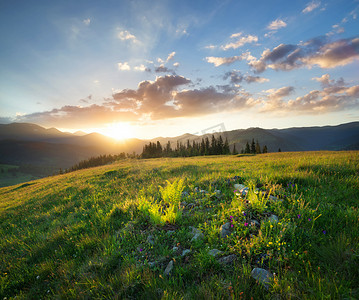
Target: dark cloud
column 235, row 77
column 251, row 79
column 163, row 69
column 319, row 51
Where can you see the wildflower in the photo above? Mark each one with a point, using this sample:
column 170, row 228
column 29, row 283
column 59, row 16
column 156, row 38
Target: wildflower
column 309, row 219
column 141, row 249
column 245, row 224
column 244, row 213
column 324, row 231
column 231, row 225
column 231, row 217
column 299, row 216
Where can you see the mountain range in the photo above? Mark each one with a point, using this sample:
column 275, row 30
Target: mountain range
column 48, row 150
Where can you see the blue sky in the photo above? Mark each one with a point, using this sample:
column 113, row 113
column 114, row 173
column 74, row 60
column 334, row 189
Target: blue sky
column 154, row 68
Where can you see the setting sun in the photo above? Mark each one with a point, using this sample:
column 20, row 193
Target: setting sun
column 118, row 131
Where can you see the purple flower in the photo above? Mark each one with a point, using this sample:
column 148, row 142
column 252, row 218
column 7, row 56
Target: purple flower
column 309, row 219
column 299, row 216
column 141, row 249
column 246, row 224
column 231, row 217
column 231, row 225
column 244, row 214
column 324, row 231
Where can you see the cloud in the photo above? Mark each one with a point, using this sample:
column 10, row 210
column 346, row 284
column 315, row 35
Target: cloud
column 163, row 69
column 78, row 116
column 339, row 53
column 242, row 40
column 279, row 93
column 123, row 66
column 141, row 68
column 162, row 98
column 170, row 56
column 176, row 64
column 316, row 52
column 87, row 21
column 311, row 6
column 251, row 79
column 125, row 35
column 334, row 96
column 277, row 24
column 235, row 77
column 219, row 61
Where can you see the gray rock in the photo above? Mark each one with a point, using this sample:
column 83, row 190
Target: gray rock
column 150, row 239
column 168, row 268
column 185, row 252
column 273, row 219
column 263, row 276
column 239, row 186
column 175, row 249
column 225, row 230
column 214, row 252
column 226, row 260
column 197, row 234
column 244, row 191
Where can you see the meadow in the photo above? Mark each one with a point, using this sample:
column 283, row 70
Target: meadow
column 153, row 229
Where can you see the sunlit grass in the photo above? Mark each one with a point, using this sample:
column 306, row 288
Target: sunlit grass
column 86, row 234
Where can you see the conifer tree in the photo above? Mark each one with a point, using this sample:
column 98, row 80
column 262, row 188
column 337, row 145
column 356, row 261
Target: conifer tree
column 253, row 147
column 247, row 149
column 265, row 150
column 234, row 152
column 258, row 148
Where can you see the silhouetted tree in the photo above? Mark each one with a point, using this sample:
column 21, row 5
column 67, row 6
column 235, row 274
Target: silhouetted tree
column 265, row 150
column 258, row 148
column 247, row 149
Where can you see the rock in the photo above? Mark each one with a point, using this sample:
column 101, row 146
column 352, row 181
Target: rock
column 225, row 230
column 226, row 260
column 168, row 268
column 254, row 223
column 197, row 234
column 273, row 219
column 214, row 252
column 150, row 239
column 263, row 276
column 238, row 186
column 185, row 252
column 175, row 249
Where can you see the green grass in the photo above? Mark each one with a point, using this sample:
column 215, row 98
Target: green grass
column 92, row 233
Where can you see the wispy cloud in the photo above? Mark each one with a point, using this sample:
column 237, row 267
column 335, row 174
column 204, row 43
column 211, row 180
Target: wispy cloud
column 87, row 21
column 125, row 35
column 311, row 6
column 241, row 41
column 219, row 61
column 277, row 24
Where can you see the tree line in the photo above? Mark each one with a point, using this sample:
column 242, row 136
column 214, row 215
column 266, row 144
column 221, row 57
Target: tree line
column 215, row 146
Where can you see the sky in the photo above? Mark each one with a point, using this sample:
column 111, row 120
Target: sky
column 164, row 68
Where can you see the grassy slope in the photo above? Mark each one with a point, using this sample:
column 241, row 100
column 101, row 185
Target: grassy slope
column 81, row 234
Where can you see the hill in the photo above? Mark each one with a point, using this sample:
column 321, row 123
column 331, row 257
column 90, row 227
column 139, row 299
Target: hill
column 277, row 225
column 41, row 152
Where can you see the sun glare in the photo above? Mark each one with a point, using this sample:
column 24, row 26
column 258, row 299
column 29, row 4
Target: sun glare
column 118, row 131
